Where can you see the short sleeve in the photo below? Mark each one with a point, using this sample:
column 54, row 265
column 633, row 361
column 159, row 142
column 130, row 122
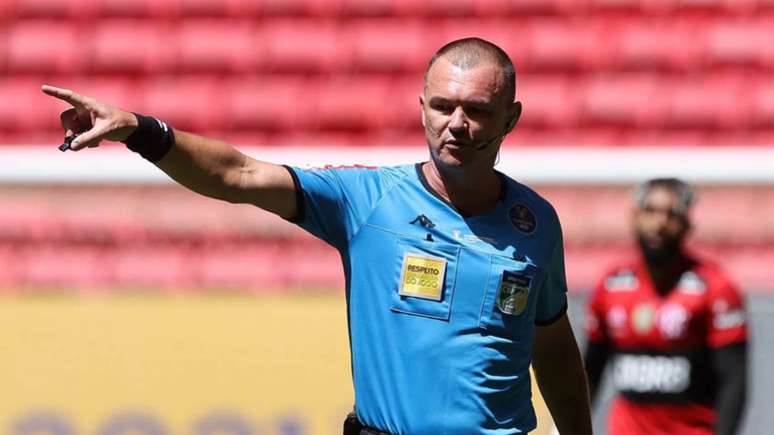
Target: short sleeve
column 552, row 299
column 727, row 319
column 334, row 202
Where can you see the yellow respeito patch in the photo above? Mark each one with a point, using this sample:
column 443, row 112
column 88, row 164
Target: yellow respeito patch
column 422, row 276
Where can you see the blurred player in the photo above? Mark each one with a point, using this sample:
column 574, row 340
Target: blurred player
column 455, row 272
column 673, row 327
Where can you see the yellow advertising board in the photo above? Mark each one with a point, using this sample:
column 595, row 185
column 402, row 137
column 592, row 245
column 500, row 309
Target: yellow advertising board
column 269, row 365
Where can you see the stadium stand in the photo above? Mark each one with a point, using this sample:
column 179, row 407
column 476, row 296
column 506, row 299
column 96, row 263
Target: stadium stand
column 575, row 55
column 623, row 73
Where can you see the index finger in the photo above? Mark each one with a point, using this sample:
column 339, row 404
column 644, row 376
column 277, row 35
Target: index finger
column 65, row 95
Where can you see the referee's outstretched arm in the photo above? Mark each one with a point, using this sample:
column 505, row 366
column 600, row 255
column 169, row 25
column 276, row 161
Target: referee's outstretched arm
column 206, row 166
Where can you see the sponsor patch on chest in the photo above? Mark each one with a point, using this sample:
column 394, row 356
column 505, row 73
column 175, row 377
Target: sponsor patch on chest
column 513, row 292
column 422, row 276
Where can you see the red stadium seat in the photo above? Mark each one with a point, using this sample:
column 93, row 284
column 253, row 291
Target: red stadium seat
column 763, row 101
column 153, row 266
column 3, row 51
column 303, row 45
column 65, row 266
column 373, row 8
column 132, row 46
column 207, row 8
column 510, row 35
column 300, row 7
column 343, row 104
column 740, row 43
column 711, row 103
column 188, row 102
column 116, row 91
column 136, row 8
column 624, row 100
column 44, row 46
column 217, row 45
column 7, row 10
column 547, row 101
column 26, row 108
column 563, row 46
column 384, row 45
column 50, row 8
column 268, row 104
column 498, row 8
column 657, row 44
column 717, row 7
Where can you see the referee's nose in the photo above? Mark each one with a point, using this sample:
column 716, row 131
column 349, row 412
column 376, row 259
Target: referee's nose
column 458, row 122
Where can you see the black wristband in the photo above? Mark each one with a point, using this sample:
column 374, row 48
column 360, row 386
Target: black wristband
column 152, row 140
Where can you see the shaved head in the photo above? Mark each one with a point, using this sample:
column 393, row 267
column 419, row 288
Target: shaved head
column 470, row 53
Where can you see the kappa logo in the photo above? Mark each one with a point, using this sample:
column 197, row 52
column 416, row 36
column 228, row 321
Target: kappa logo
column 513, row 293
column 522, row 218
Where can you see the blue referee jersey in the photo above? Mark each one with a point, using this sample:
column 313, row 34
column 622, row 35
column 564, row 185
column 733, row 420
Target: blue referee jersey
column 441, row 307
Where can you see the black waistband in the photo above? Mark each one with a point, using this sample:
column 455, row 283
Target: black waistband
column 353, row 426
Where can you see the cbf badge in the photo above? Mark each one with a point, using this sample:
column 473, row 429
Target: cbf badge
column 422, row 276
column 522, row 218
column 513, row 293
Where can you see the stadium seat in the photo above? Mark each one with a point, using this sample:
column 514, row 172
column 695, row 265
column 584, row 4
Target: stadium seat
column 276, row 8
column 232, row 266
column 712, row 103
column 656, row 44
column 188, row 102
column 209, row 45
column 302, row 45
column 343, row 104
column 207, row 8
column 716, row 7
column 136, row 8
column 510, row 34
column 9, row 268
column 25, row 108
column 119, row 91
column 387, row 45
column 30, row 47
column 548, row 102
column 498, row 8
column 49, row 266
column 268, row 104
column 48, row 8
column 560, row 45
column 132, row 46
column 624, row 100
column 763, row 104
column 153, row 266
column 373, row 8
column 740, row 43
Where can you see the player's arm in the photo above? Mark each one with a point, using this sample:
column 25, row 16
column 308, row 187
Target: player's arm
column 730, row 365
column 207, row 166
column 598, row 349
column 594, row 360
column 727, row 339
column 561, row 377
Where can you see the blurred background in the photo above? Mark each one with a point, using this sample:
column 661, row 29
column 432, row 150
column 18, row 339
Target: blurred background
column 130, row 305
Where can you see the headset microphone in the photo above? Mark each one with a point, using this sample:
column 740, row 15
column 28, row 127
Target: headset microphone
column 497, row 138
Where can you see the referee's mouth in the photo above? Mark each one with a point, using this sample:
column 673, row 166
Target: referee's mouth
column 456, row 143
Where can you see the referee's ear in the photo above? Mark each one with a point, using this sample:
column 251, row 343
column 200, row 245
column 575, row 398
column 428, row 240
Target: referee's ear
column 515, row 116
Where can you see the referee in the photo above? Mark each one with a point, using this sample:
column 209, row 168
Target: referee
column 454, row 271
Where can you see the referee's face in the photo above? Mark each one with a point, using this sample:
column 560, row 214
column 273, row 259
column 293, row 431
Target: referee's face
column 465, row 112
